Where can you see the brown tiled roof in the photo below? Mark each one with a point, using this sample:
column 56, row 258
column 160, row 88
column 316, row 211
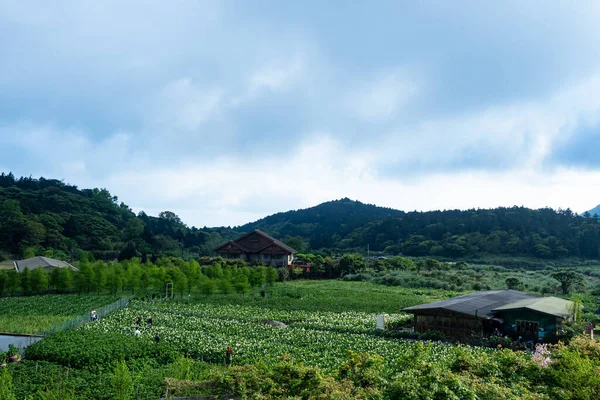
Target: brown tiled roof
column 277, row 242
column 239, row 246
column 264, row 235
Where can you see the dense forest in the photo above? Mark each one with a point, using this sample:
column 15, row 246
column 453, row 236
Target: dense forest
column 48, row 216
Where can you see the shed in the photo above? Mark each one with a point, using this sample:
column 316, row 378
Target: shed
column 534, row 318
column 465, row 315
column 42, row 262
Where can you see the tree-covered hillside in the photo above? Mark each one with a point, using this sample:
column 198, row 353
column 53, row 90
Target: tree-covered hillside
column 47, row 216
column 595, row 210
column 324, row 226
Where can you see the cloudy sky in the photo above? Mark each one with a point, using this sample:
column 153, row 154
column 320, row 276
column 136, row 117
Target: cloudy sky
column 225, row 112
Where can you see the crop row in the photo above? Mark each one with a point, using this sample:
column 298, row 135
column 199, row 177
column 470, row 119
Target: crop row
column 204, row 332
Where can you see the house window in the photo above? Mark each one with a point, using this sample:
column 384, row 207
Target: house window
column 527, row 326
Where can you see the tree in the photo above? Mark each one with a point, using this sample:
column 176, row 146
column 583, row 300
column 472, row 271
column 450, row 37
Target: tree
column 122, row 382
column 271, row 275
column 567, row 280
column 39, row 280
column 35, row 232
column 26, row 281
column 13, row 282
column 296, row 243
column 351, row 263
column 513, row 283
column 29, row 252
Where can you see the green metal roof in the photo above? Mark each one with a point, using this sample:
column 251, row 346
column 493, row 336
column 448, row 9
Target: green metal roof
column 547, row 305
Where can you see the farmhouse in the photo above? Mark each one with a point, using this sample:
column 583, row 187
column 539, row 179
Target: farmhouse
column 41, row 262
column 257, row 245
column 511, row 312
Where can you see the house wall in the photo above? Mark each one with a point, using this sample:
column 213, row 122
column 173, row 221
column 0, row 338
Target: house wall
column 451, row 324
column 547, row 323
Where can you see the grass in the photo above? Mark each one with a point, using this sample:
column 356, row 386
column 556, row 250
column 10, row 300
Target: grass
column 331, row 295
column 30, row 324
column 33, row 314
column 7, row 264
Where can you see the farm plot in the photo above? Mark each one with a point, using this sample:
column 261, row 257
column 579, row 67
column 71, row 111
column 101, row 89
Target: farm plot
column 36, row 313
column 204, row 332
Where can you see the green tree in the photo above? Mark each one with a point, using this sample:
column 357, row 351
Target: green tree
column 13, row 282
column 241, row 285
column 35, row 232
column 351, row 264
column 64, row 279
column 513, row 283
column 29, row 252
column 122, row 382
column 567, row 280
column 26, row 281
column 271, row 275
column 39, row 280
column 296, row 243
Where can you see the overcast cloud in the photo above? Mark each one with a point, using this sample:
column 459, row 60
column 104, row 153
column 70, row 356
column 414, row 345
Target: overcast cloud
column 225, row 112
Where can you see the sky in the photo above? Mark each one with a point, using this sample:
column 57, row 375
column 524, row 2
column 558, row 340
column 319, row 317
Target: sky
column 226, row 112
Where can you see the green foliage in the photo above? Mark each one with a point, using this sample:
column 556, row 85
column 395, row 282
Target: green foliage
column 363, row 369
column 567, row 280
column 59, row 219
column 6, row 385
column 514, row 283
column 122, row 382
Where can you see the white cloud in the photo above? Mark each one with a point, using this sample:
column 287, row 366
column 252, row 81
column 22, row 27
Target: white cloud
column 381, row 99
column 184, row 105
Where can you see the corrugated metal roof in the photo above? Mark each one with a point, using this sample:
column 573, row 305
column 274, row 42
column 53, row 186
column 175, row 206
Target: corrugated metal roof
column 479, row 304
column 44, row 262
column 547, row 305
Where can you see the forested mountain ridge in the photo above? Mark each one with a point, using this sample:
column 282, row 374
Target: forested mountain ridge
column 323, row 226
column 47, row 216
column 595, row 210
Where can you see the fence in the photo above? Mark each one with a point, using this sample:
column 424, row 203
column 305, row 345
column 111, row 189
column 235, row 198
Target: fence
column 83, row 319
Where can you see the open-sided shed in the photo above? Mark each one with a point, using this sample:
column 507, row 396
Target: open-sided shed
column 510, row 311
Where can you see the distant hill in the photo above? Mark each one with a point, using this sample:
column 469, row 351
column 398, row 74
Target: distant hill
column 49, row 217
column 595, row 210
column 324, row 225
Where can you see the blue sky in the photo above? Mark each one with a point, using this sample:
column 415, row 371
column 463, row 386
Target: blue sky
column 224, row 112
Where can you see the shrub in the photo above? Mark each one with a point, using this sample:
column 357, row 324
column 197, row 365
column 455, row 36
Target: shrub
column 6, row 385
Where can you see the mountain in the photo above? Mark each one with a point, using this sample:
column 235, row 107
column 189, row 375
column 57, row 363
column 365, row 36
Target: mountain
column 48, row 217
column 595, row 210
column 324, row 225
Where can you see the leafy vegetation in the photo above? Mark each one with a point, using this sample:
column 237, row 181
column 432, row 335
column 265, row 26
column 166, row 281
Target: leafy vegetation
column 322, row 353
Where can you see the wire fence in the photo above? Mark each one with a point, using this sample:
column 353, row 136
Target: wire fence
column 85, row 318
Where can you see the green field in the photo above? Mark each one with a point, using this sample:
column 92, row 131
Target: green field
column 309, row 358
column 36, row 313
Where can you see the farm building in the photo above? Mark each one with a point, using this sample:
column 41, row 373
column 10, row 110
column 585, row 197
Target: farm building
column 481, row 313
column 257, row 245
column 41, row 262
